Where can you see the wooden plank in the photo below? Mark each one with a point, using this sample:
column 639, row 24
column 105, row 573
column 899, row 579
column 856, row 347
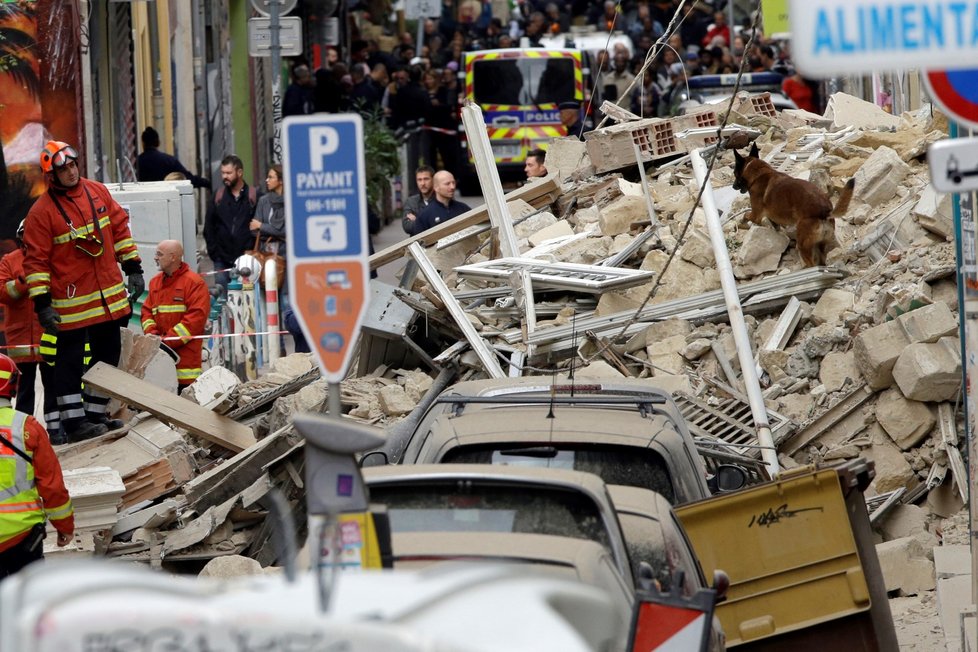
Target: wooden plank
column 536, row 194
column 230, row 478
column 197, row 420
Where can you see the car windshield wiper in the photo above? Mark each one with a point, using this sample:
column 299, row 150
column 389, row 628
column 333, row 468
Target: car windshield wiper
column 535, row 451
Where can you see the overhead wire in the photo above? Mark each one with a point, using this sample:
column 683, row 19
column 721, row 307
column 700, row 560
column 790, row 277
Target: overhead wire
column 699, row 196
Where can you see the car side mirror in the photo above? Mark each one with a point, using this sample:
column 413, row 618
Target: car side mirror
column 728, row 478
column 721, row 582
column 374, row 458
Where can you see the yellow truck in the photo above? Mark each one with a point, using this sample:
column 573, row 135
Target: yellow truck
column 799, row 553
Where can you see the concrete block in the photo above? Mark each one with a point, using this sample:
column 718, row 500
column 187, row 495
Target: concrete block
column 696, row 349
column 662, row 329
column 613, row 302
column 293, row 365
column 772, row 360
column 796, row 406
column 907, row 422
column 230, row 566
column 951, row 561
column 908, row 521
column 215, row 383
column 394, row 401
column 820, row 340
column 929, row 323
column 611, row 148
column 953, row 596
column 531, row 225
column 680, row 281
column 876, row 350
column 847, row 110
column 698, row 249
column 800, row 365
column 836, row 368
column 933, row 212
column 892, row 469
column 880, row 177
column 565, row 156
column 599, row 369
column 930, row 372
column 760, row 252
column 619, row 215
column 831, row 305
column 555, row 230
column 905, row 566
column 666, row 354
column 416, row 383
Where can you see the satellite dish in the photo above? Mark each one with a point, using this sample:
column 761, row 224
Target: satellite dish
column 264, row 7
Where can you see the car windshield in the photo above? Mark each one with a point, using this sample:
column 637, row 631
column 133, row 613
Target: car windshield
column 470, row 506
column 629, row 466
column 523, row 81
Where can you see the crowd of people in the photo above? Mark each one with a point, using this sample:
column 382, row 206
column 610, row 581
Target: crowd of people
column 419, row 82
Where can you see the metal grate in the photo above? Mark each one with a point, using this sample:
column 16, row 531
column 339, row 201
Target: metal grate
column 878, row 506
column 731, row 422
column 564, row 276
column 123, row 80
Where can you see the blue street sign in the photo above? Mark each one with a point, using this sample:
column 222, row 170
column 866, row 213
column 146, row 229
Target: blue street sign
column 326, row 233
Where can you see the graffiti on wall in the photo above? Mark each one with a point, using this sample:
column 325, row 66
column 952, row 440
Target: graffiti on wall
column 40, row 87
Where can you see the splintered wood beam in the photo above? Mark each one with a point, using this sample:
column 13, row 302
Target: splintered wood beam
column 168, row 407
column 537, row 195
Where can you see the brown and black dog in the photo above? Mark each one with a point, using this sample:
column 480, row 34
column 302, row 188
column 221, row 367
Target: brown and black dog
column 788, row 201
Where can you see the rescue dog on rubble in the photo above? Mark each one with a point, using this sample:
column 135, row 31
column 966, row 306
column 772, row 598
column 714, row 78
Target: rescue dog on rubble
column 788, row 201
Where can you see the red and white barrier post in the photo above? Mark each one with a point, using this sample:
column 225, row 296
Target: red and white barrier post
column 271, row 310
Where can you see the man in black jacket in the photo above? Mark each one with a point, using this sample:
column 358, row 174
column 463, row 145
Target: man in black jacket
column 227, row 224
column 444, row 207
column 154, row 165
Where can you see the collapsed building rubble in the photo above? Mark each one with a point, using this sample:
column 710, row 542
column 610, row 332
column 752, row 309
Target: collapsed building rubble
column 858, row 358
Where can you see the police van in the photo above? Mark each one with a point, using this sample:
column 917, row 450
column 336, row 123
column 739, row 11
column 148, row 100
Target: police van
column 519, row 90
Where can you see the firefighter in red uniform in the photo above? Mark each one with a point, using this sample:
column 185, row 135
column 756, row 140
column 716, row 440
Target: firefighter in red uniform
column 32, row 489
column 176, row 309
column 29, row 346
column 77, row 236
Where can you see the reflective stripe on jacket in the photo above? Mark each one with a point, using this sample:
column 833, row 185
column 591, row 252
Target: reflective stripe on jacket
column 29, row 491
column 177, row 306
column 85, row 288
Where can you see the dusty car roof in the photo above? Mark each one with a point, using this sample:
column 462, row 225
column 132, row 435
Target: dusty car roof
column 636, row 500
column 579, row 480
column 522, row 423
column 577, row 556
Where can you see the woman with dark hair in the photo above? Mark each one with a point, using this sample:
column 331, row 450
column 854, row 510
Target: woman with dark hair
column 269, row 221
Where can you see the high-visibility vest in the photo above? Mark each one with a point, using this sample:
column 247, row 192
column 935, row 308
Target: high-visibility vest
column 20, row 503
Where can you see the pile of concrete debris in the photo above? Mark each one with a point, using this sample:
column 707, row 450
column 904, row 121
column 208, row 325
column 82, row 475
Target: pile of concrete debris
column 607, row 277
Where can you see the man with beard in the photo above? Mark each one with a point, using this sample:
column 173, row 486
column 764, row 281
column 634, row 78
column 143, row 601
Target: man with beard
column 227, row 226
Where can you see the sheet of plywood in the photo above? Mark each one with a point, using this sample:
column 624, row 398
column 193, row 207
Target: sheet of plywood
column 170, row 408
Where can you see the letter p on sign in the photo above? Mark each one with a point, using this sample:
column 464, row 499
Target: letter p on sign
column 323, row 141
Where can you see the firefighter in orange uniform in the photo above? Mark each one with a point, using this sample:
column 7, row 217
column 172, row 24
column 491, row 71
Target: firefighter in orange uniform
column 32, row 489
column 177, row 308
column 29, row 346
column 77, row 237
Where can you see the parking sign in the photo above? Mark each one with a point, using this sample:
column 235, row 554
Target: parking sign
column 326, row 229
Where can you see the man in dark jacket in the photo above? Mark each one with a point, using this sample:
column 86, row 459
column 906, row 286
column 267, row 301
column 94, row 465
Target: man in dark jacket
column 227, row 224
column 154, row 165
column 300, row 95
column 444, row 207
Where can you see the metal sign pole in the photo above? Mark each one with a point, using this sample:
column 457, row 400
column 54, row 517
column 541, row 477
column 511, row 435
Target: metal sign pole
column 276, row 52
